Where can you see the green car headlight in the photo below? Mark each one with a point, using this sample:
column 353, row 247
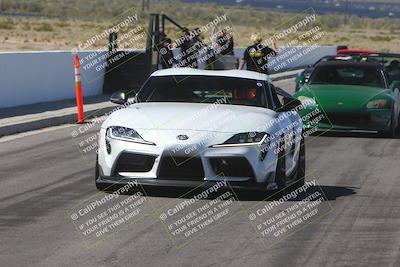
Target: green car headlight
column 307, row 102
column 245, row 139
column 377, row 104
column 125, row 134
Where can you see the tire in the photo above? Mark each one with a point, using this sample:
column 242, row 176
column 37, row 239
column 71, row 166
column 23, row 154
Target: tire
column 99, row 186
column 393, row 131
column 398, row 126
column 301, row 168
column 299, row 178
column 280, row 172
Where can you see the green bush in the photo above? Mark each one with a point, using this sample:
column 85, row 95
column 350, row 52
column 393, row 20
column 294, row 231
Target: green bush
column 381, row 38
column 7, row 24
column 44, row 27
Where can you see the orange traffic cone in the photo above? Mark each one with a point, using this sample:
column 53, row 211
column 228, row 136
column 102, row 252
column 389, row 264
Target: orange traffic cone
column 78, row 90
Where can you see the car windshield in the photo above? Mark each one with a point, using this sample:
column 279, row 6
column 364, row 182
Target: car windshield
column 204, row 89
column 324, row 59
column 392, row 66
column 335, row 58
column 391, row 63
column 366, row 75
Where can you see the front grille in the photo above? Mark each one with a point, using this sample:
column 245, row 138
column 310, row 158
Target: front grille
column 345, row 119
column 185, row 168
column 232, row 166
column 130, row 162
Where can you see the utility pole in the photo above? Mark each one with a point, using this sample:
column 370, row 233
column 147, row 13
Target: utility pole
column 145, row 4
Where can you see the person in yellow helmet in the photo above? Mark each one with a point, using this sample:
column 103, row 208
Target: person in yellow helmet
column 256, row 56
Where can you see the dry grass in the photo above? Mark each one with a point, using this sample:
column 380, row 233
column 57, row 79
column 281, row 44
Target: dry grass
column 33, row 33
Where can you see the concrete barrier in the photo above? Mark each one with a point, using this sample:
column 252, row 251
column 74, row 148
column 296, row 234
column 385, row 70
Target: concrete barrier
column 34, row 77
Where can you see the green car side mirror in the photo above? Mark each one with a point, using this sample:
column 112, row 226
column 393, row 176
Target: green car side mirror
column 394, row 85
column 300, row 79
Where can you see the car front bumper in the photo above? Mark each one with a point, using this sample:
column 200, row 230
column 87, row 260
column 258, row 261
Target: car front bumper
column 113, row 183
column 246, row 168
column 367, row 121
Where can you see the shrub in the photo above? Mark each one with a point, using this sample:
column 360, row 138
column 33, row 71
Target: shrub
column 7, row 24
column 44, row 27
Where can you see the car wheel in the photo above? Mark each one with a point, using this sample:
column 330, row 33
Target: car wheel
column 397, row 130
column 99, row 186
column 392, row 132
column 280, row 173
column 301, row 168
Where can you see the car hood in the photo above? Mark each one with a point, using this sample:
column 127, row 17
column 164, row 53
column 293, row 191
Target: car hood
column 191, row 116
column 343, row 97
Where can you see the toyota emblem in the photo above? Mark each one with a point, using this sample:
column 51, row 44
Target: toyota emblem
column 182, row 137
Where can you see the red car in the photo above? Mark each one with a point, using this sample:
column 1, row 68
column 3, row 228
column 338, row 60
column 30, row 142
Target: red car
column 354, row 52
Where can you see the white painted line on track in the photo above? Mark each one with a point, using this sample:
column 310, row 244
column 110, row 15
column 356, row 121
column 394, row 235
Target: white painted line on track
column 33, row 132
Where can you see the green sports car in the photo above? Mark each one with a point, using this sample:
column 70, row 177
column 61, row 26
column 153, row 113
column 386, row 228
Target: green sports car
column 351, row 97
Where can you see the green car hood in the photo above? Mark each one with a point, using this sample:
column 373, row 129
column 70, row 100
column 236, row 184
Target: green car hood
column 335, row 97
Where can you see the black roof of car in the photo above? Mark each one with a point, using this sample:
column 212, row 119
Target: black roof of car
column 385, row 55
column 350, row 63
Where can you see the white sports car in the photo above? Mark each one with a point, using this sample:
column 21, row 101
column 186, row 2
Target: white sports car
column 186, row 127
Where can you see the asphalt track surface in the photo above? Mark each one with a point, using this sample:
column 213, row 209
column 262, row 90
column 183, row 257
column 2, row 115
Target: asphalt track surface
column 43, row 176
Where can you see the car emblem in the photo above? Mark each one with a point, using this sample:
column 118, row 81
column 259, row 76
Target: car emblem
column 182, row 137
column 340, row 103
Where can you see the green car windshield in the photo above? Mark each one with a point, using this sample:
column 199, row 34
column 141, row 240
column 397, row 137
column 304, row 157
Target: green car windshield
column 391, row 63
column 366, row 75
column 392, row 66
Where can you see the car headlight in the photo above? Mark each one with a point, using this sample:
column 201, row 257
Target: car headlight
column 125, row 134
column 245, row 139
column 378, row 103
column 307, row 102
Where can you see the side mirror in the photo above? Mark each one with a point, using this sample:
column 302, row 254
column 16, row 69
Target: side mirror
column 300, row 79
column 289, row 104
column 118, row 98
column 395, row 84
